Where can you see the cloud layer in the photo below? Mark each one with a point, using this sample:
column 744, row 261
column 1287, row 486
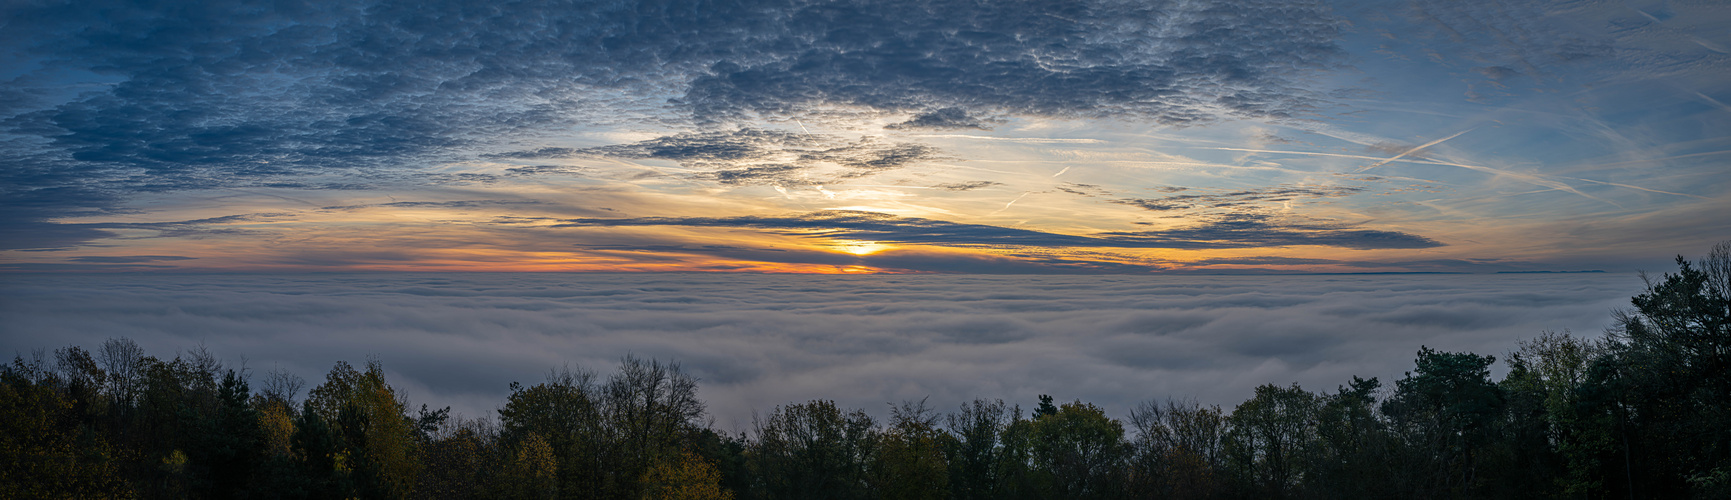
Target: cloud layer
column 757, row 341
column 252, row 93
column 1230, row 231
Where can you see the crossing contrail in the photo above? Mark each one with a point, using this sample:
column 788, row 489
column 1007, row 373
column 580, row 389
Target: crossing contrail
column 1411, row 151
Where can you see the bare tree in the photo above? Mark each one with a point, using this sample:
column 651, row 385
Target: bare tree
column 280, row 385
column 121, row 359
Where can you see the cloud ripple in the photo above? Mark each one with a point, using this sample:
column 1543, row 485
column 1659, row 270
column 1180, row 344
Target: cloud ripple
column 757, row 340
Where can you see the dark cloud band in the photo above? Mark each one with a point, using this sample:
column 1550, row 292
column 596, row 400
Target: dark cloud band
column 1233, row 231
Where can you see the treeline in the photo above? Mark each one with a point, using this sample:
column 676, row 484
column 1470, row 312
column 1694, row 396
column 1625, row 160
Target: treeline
column 1639, row 413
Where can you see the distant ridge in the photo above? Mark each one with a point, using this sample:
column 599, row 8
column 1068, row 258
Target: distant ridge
column 1549, row 272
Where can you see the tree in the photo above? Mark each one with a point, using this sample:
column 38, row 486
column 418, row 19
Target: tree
column 230, row 442
column 910, row 459
column 1550, row 418
column 376, row 436
column 649, row 408
column 1179, row 450
column 813, row 450
column 1082, row 449
column 685, row 476
column 1355, row 450
column 43, row 452
column 565, row 412
column 1445, row 411
column 533, row 471
column 973, row 449
column 1271, row 437
column 1668, row 381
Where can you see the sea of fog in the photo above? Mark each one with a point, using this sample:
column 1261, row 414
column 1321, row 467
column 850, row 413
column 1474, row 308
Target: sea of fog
column 756, row 341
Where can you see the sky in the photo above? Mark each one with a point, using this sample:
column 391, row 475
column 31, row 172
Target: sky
column 857, row 137
column 755, row 341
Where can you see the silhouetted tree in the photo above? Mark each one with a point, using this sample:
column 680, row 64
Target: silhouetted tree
column 1668, row 382
column 814, row 451
column 1445, row 412
column 1179, row 450
column 1355, row 453
column 1271, row 438
column 1083, row 451
column 910, row 456
column 974, row 449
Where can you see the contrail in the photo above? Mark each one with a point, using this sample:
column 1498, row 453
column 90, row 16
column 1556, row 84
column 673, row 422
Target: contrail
column 1061, row 172
column 1714, row 101
column 1638, row 187
column 1035, row 140
column 1012, row 202
column 1411, row 151
column 1308, row 153
column 1636, row 162
column 1527, row 178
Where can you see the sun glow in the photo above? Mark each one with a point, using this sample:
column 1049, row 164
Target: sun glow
column 861, row 247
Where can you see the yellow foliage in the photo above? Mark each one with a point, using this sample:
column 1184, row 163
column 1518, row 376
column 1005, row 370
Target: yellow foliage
column 390, row 443
column 533, row 472
column 174, row 462
column 41, row 459
column 278, row 428
column 684, row 477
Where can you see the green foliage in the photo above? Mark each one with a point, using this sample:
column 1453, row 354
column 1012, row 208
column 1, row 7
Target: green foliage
column 1444, row 412
column 910, row 462
column 1355, row 451
column 377, row 443
column 43, row 452
column 1272, row 438
column 1082, row 450
column 606, row 436
column 1667, row 382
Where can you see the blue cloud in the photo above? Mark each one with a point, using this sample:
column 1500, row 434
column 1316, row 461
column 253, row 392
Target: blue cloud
column 1227, row 231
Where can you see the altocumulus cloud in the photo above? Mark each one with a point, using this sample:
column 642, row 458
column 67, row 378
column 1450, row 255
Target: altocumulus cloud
column 758, row 341
column 107, row 98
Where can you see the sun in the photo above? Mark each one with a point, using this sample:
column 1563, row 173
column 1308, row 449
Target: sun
column 861, row 247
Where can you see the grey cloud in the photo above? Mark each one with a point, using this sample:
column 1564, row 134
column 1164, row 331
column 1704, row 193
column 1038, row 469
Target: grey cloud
column 775, row 174
column 1524, row 35
column 1155, row 205
column 1251, row 230
column 37, row 235
column 1164, row 61
column 1266, row 260
column 127, row 259
column 695, row 149
column 942, row 119
column 1227, row 231
column 967, row 186
column 1089, row 190
column 750, row 156
column 547, row 169
column 863, row 225
column 252, row 93
column 46, row 235
column 1497, row 72
column 441, row 204
column 206, row 88
column 757, row 341
column 1239, row 198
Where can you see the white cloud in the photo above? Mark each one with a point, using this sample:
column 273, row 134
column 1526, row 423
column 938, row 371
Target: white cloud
column 763, row 340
